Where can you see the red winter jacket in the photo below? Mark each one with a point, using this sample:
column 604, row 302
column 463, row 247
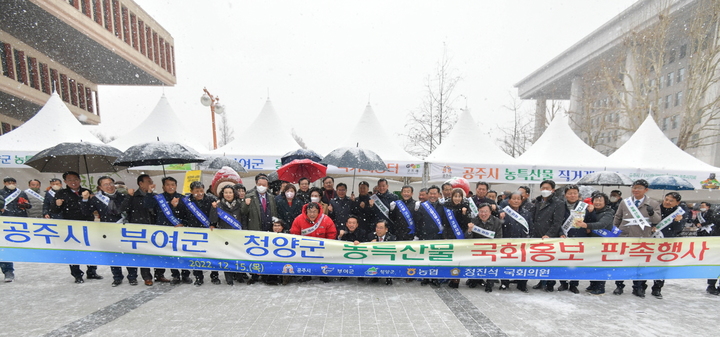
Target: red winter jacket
column 325, row 230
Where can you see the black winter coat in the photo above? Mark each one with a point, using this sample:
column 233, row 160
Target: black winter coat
column 205, row 206
column 287, row 213
column 547, row 217
column 71, row 208
column 492, row 224
column 602, row 219
column 342, row 208
column 426, row 226
column 232, row 208
column 462, row 219
column 178, row 212
column 674, row 228
column 136, row 211
column 112, row 212
column 358, row 235
column 512, row 229
column 400, row 226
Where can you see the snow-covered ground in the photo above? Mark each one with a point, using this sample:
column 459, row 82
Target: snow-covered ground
column 43, row 300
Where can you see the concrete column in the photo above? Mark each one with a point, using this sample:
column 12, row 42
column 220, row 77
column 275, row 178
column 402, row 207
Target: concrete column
column 576, row 96
column 540, row 117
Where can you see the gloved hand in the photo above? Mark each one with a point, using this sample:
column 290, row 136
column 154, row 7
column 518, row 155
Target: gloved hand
column 650, row 210
column 417, row 206
column 392, row 205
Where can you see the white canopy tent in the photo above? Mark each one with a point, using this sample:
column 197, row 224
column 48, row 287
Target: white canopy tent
column 162, row 124
column 468, row 152
column 53, row 124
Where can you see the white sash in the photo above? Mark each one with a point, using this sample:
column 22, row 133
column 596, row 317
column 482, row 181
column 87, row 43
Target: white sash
column 483, row 232
column 637, row 217
column 473, row 208
column 707, row 228
column 381, row 206
column 34, row 194
column 580, row 208
column 309, row 230
column 12, row 196
column 517, row 217
column 104, row 198
column 51, row 192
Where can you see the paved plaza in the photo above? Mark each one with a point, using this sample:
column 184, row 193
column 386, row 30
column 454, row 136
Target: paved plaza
column 44, row 301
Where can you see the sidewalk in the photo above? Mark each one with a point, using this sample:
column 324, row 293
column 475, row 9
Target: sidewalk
column 43, row 300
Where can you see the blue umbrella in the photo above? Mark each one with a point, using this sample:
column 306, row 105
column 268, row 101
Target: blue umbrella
column 670, row 183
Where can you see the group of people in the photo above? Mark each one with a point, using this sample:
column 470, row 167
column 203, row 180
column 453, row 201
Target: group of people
column 441, row 213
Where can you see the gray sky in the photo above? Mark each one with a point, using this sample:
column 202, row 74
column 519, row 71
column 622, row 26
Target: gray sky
column 322, row 60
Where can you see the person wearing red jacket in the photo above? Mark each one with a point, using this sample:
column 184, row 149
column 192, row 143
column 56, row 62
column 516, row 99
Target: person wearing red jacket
column 312, row 222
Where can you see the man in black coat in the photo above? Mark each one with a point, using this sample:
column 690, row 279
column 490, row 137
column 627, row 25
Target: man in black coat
column 352, row 232
column 669, row 205
column 136, row 212
column 341, row 207
column 203, row 203
column 427, row 224
column 548, row 215
column 16, row 201
column 364, row 210
column 49, row 200
column 480, row 197
column 68, row 203
column 381, row 234
column 386, row 197
column 401, row 221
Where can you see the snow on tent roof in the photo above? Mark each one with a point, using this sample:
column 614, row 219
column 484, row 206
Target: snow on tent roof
column 53, row 124
column 370, row 134
column 560, row 147
column 649, row 148
column 163, row 124
column 256, row 140
column 467, row 143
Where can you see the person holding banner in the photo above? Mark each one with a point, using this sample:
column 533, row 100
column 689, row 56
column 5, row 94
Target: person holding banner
column 259, row 206
column 402, row 214
column 484, row 226
column 137, row 213
column 226, row 215
column 49, row 199
column 352, row 232
column 576, row 211
column 670, row 226
column 381, row 234
column 548, row 215
column 365, row 209
column 313, row 223
column 635, row 218
column 481, row 197
column 35, row 199
column 109, row 204
column 288, row 205
column 705, row 220
column 199, row 206
column 341, row 207
column 600, row 226
column 516, row 225
column 382, row 200
column 169, row 212
column 16, row 201
column 457, row 212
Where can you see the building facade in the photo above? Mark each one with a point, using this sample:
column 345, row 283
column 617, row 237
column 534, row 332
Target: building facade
column 73, row 46
column 657, row 58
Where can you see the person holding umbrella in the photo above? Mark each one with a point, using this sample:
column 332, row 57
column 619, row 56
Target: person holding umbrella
column 169, row 212
column 68, row 202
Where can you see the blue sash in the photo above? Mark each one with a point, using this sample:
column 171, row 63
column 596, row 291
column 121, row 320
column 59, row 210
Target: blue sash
column 454, row 224
column 615, row 232
column 196, row 212
column 406, row 214
column 165, row 208
column 227, row 217
column 434, row 214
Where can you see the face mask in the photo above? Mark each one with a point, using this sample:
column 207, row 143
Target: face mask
column 546, row 193
column 56, row 187
column 11, row 187
column 289, row 195
column 315, row 199
column 613, row 199
column 703, row 210
column 261, row 189
column 36, row 190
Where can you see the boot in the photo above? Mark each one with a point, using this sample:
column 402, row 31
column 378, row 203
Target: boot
column 656, row 292
column 563, row 286
column 574, row 290
column 712, row 290
column 600, row 289
column 619, row 289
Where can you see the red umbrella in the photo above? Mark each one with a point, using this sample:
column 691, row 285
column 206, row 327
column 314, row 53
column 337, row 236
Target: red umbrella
column 300, row 168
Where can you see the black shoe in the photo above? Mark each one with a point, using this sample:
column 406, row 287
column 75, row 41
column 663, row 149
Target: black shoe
column 175, row 280
column 550, row 288
column 198, row 281
column 116, row 283
column 600, row 291
column 215, row 280
column 374, row 280
column 230, row 282
column 342, row 278
column 454, row 284
column 523, row 288
column 388, row 281
column 563, row 287
column 538, row 286
column 471, row 283
column 187, row 280
column 133, row 282
column 618, row 291
column 574, row 290
column 250, row 281
column 712, row 290
column 488, row 288
column 326, row 279
column 79, row 280
column 590, row 288
column 424, row 282
column 435, row 283
column 94, row 276
column 656, row 293
column 638, row 293
column 361, row 279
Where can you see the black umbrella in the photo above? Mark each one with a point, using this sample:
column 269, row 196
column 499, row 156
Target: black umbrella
column 356, row 158
column 80, row 157
column 300, row 154
column 158, row 153
column 216, row 163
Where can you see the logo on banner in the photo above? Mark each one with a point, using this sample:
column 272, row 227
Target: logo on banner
column 326, row 270
column 411, row 271
column 288, row 269
column 372, row 271
column 454, row 272
column 413, row 168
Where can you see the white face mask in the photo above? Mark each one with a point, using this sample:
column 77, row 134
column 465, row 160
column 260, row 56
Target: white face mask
column 613, row 199
column 11, row 187
column 315, row 199
column 56, row 187
column 703, row 210
column 546, row 193
column 261, row 189
column 289, row 194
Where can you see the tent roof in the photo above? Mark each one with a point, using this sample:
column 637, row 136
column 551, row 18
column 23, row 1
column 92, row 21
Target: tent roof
column 162, row 124
column 256, row 140
column 560, row 147
column 53, row 124
column 370, row 134
column 649, row 148
column 467, row 143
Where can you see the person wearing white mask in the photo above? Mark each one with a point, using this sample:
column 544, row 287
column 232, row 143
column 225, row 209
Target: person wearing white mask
column 316, row 196
column 548, row 215
column 289, row 206
column 615, row 199
column 16, row 201
column 49, row 199
column 259, row 206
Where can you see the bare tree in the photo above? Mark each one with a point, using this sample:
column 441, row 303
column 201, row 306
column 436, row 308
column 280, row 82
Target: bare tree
column 436, row 116
column 518, row 135
column 298, row 139
column 227, row 134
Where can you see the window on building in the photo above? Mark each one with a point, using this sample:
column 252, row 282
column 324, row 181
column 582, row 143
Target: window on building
column 671, row 56
column 668, row 98
column 670, row 77
column 33, row 72
column 674, row 121
column 20, row 66
column 680, row 75
column 664, row 123
column 44, row 78
column 678, row 98
column 5, row 64
column 683, row 51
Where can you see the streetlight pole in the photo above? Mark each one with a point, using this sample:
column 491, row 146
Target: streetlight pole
column 213, row 102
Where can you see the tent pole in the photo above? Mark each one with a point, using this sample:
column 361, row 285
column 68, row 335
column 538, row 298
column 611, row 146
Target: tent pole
column 87, row 173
